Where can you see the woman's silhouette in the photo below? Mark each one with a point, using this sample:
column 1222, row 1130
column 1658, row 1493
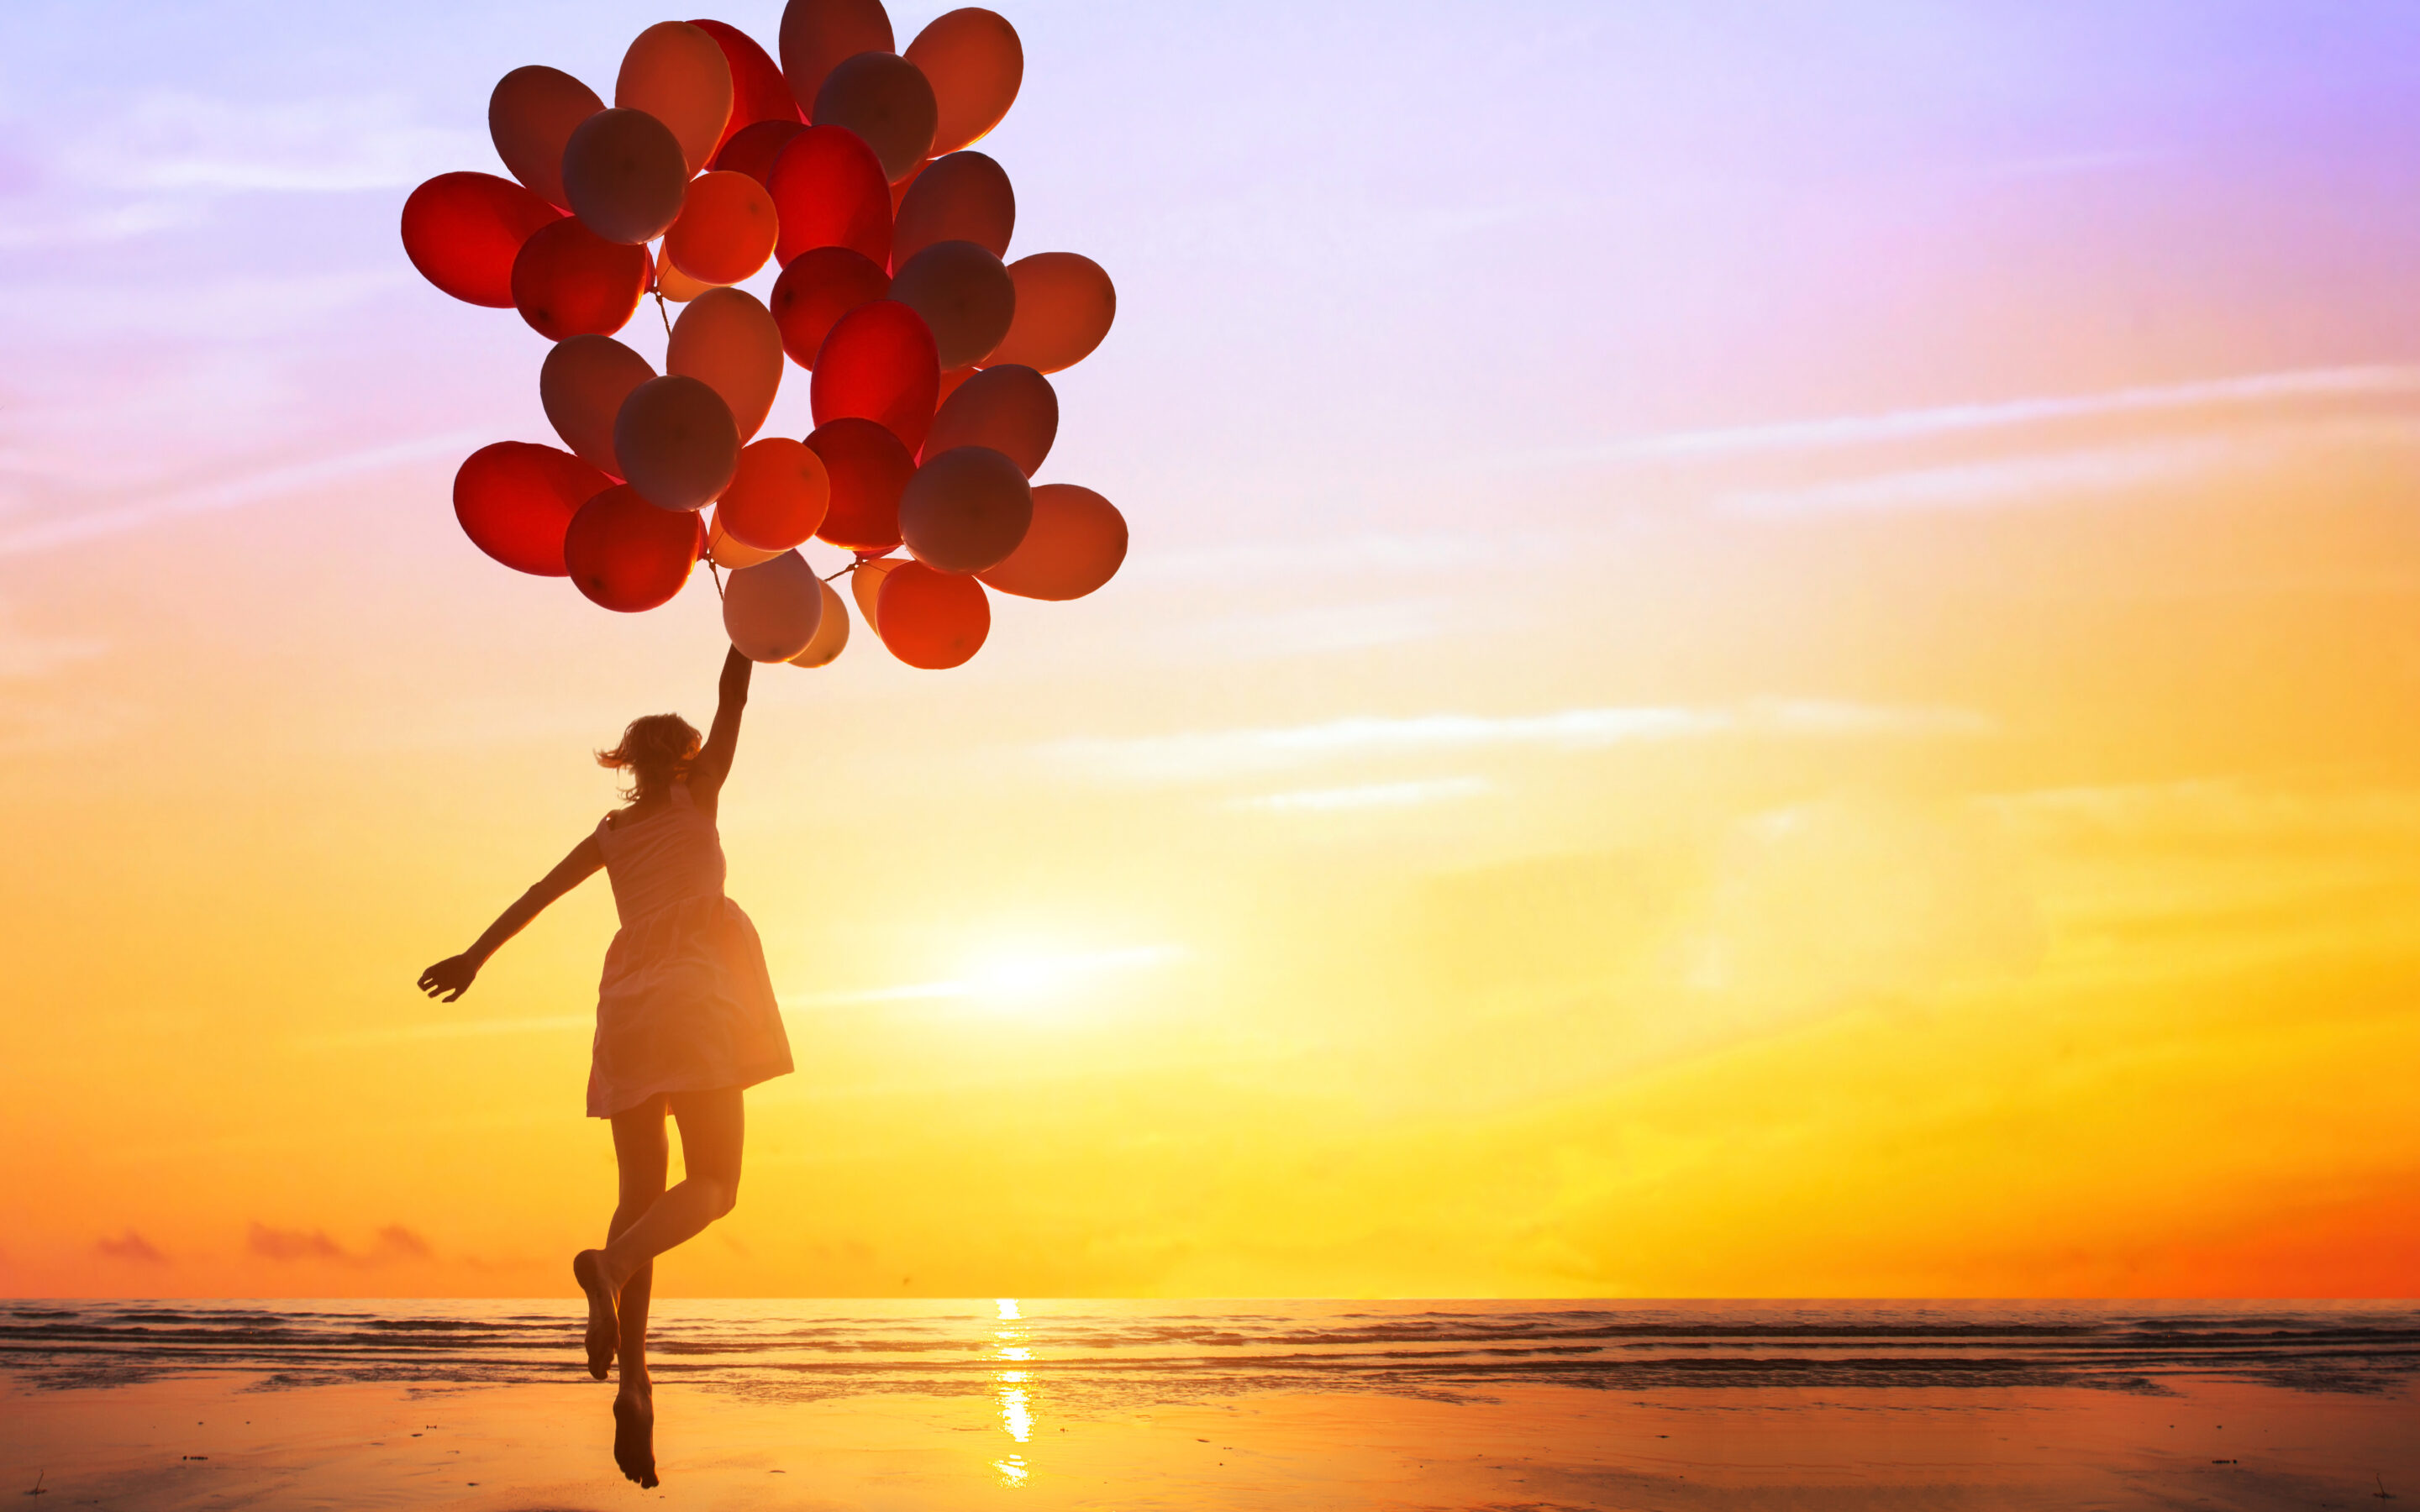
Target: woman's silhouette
column 685, row 1019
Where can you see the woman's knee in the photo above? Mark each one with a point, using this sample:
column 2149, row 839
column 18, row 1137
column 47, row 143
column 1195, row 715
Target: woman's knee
column 724, row 1193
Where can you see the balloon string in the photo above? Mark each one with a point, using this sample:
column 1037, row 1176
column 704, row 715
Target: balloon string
column 845, row 571
column 660, row 313
column 716, row 573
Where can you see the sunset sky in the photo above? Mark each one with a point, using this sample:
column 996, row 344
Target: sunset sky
column 1770, row 649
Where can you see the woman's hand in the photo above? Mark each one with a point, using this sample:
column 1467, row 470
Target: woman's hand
column 451, row 978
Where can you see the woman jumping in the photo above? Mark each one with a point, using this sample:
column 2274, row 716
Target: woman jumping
column 685, row 1020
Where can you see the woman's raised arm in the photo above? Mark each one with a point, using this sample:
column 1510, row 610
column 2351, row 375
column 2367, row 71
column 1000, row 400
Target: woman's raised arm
column 713, row 761
column 451, row 978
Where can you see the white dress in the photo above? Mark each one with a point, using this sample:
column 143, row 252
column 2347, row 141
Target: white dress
column 685, row 1004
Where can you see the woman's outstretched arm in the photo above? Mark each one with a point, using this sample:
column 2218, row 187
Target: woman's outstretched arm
column 451, row 978
column 713, row 761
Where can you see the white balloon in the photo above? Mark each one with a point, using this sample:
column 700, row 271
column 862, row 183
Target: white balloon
column 773, row 609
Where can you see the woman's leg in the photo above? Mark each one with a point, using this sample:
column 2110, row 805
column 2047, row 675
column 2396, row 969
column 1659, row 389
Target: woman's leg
column 713, row 1126
column 640, row 1154
column 639, row 1157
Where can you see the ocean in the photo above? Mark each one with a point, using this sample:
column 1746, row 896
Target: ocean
column 1396, row 1404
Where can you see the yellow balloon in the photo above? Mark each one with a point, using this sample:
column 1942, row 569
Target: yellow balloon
column 831, row 635
column 729, row 553
column 677, row 286
column 866, row 585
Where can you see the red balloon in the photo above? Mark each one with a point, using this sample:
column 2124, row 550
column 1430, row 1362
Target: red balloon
column 963, row 197
column 1011, row 409
column 752, row 148
column 516, row 499
column 627, row 554
column 966, row 510
column 817, row 34
column 1073, row 544
column 886, row 99
column 816, row 290
column 878, row 363
column 964, row 294
column 568, row 281
column 758, row 92
column 869, row 470
column 932, row 620
column 828, row 189
column 463, row 231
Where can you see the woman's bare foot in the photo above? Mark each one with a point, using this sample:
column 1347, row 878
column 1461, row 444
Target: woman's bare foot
column 588, row 1269
column 634, row 1433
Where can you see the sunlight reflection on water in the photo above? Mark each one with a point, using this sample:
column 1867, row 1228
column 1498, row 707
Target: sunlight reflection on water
column 1015, row 1401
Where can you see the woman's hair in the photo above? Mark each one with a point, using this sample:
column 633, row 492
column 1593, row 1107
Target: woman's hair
column 657, row 751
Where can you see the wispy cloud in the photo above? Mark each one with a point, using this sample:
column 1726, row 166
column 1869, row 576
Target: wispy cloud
column 227, row 494
column 129, row 1246
column 2058, row 476
column 1204, row 754
column 182, row 142
column 1904, row 425
column 1369, row 795
column 394, row 1242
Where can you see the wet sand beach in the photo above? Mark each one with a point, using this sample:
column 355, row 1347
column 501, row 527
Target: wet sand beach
column 1341, row 1405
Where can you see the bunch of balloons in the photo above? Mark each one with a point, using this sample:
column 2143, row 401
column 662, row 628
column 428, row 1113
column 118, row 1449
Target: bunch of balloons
column 849, row 163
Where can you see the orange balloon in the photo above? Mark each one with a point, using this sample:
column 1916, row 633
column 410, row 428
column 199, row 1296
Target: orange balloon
column 624, row 173
column 963, row 197
column 676, row 442
column 965, row 296
column 884, row 98
column 1075, row 545
column 582, row 383
column 677, row 287
column 627, row 554
column 726, row 231
column 1064, row 304
column 531, row 115
column 929, row 618
column 832, row 634
column 975, row 63
column 965, row 510
column 778, row 498
column 758, row 91
column 1011, row 409
column 951, row 379
column 865, row 585
column 772, row 610
column 463, row 231
column 729, row 342
column 869, row 470
column 726, row 550
column 568, row 281
column 817, row 34
column 677, row 73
